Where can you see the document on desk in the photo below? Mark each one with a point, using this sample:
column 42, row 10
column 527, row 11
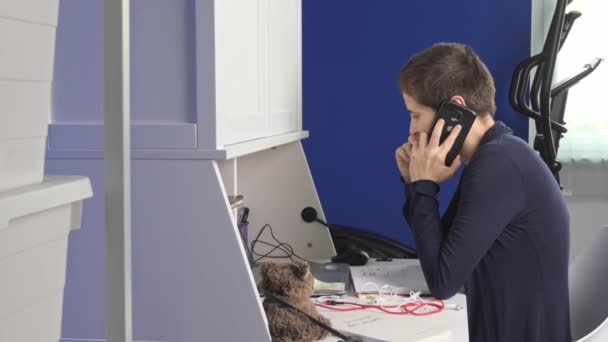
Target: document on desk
column 391, row 328
column 405, row 274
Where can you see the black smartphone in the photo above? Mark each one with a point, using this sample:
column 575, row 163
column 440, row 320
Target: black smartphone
column 453, row 114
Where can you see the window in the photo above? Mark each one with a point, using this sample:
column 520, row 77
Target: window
column 586, row 114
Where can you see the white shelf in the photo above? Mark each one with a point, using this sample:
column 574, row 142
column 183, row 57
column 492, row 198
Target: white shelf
column 256, row 145
column 54, row 191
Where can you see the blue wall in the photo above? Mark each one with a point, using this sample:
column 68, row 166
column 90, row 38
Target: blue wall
column 352, row 52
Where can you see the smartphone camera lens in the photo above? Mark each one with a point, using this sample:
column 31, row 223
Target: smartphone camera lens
column 457, row 115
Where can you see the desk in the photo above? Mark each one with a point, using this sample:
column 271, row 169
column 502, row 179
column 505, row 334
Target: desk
column 446, row 326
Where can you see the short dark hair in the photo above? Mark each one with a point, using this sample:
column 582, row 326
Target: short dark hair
column 447, row 69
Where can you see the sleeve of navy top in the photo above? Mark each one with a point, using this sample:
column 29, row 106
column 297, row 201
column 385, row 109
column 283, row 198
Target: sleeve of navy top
column 492, row 194
column 448, row 215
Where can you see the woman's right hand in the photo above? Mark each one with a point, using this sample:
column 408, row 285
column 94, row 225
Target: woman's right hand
column 403, row 157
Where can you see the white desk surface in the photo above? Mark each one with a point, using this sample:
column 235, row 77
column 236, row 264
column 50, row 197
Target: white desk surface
column 446, row 326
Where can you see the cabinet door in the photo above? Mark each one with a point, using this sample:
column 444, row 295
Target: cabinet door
column 258, row 68
column 238, row 71
column 283, row 65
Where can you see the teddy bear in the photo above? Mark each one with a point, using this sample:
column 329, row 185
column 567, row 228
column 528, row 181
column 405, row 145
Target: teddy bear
column 291, row 282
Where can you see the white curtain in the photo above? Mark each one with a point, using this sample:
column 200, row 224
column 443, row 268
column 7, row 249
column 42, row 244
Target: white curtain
column 586, row 114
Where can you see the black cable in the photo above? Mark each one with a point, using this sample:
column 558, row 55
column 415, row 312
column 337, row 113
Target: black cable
column 282, row 246
column 285, row 248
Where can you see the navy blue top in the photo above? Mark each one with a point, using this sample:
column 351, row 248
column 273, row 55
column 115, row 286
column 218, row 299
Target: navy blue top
column 504, row 237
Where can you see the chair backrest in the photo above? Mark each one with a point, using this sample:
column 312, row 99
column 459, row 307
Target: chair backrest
column 589, row 290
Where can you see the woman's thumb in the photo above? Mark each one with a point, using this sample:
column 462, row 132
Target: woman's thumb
column 456, row 163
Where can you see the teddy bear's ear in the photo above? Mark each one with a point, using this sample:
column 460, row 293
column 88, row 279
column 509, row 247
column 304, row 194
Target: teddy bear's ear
column 300, row 269
column 266, row 267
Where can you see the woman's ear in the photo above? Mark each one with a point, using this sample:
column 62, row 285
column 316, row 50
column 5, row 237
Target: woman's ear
column 459, row 99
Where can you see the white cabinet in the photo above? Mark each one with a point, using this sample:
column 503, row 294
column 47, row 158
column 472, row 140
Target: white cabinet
column 35, row 223
column 27, row 50
column 257, row 53
column 210, row 79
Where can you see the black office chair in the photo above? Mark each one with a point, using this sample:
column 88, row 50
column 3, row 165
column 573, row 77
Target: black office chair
column 375, row 245
column 543, row 102
column 347, row 238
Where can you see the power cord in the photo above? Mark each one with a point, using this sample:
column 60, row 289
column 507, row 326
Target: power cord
column 280, row 246
column 414, row 305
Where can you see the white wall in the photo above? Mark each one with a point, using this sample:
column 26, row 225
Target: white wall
column 586, row 190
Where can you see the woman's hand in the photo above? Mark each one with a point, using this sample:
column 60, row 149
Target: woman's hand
column 403, row 157
column 427, row 160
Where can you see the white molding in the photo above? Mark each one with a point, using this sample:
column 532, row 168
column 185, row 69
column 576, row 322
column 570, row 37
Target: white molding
column 86, row 136
column 256, row 145
column 228, row 152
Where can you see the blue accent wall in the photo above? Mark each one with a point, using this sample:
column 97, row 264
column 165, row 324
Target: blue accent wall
column 352, row 52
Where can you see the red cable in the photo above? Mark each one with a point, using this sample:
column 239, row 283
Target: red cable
column 438, row 304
